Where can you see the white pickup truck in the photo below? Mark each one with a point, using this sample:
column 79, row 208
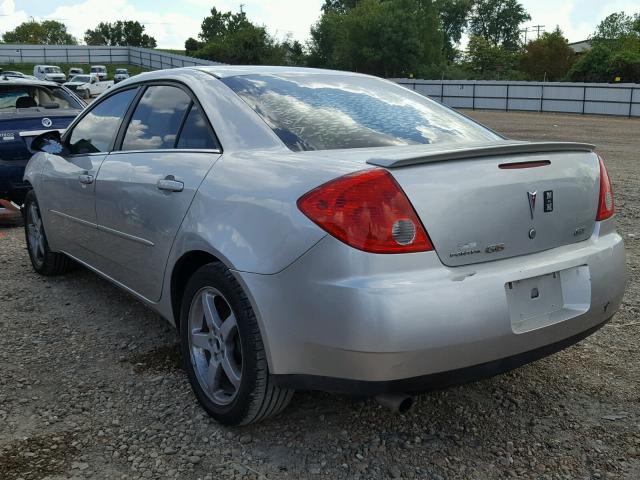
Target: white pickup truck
column 87, row 86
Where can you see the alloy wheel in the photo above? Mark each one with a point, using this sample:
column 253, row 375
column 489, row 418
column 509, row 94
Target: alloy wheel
column 35, row 233
column 214, row 345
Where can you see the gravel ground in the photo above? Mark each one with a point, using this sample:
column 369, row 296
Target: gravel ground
column 90, row 384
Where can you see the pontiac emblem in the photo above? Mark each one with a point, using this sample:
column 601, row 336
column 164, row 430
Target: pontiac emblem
column 532, row 202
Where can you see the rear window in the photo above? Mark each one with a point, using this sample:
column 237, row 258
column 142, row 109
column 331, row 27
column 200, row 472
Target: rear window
column 324, row 112
column 34, row 97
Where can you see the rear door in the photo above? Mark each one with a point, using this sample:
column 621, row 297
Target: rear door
column 144, row 190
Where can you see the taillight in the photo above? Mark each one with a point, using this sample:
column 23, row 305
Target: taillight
column 369, row 211
column 605, row 204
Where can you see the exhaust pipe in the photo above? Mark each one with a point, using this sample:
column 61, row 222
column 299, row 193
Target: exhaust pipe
column 396, row 402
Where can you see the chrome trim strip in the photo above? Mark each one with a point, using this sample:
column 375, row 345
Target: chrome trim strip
column 133, row 238
column 168, row 150
column 74, row 219
column 35, row 133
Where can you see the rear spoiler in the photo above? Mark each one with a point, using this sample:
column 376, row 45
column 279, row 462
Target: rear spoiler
column 464, row 152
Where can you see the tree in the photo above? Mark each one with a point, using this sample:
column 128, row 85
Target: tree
column 120, row 33
column 615, row 53
column 383, row 37
column 616, row 27
column 454, row 16
column 48, row 32
column 231, row 38
column 487, row 60
column 192, row 45
column 549, row 56
column 498, row 21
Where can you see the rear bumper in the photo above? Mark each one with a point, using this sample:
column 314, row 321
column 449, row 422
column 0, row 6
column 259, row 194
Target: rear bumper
column 431, row 382
column 395, row 321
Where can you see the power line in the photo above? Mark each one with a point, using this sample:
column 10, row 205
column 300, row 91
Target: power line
column 539, row 29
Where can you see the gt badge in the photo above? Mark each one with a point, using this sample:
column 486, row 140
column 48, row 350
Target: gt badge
column 547, row 197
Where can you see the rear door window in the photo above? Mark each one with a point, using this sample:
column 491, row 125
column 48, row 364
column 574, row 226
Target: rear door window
column 195, row 132
column 98, row 128
column 157, row 118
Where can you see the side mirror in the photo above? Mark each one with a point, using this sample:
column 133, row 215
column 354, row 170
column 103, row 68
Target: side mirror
column 49, row 142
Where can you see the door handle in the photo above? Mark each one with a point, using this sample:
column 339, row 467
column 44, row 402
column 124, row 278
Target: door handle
column 170, row 184
column 85, row 179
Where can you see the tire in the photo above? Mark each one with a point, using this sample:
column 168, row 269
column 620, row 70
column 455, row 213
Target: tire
column 44, row 261
column 213, row 345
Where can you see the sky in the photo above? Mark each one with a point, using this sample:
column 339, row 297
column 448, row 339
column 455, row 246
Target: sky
column 171, row 22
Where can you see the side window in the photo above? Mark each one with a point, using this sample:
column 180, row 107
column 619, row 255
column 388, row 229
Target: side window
column 96, row 131
column 195, row 132
column 156, row 119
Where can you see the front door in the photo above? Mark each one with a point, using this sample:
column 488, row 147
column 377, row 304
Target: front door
column 69, row 178
column 144, row 190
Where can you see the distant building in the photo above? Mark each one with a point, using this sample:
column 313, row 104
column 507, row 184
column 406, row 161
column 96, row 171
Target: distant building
column 580, row 47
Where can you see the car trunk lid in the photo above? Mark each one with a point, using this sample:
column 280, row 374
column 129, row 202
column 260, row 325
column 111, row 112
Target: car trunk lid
column 491, row 202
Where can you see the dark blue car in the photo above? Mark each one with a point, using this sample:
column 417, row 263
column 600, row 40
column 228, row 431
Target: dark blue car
column 27, row 108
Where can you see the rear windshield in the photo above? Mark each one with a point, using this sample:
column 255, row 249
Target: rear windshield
column 324, row 112
column 34, row 97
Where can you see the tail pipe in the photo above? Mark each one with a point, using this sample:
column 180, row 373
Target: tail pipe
column 396, row 402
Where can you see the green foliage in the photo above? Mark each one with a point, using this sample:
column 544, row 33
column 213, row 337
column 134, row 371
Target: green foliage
column 615, row 54
column 48, row 32
column 191, row 46
column 454, row 16
column 119, row 33
column 389, row 38
column 231, row 38
column 498, row 21
column 549, row 57
column 489, row 61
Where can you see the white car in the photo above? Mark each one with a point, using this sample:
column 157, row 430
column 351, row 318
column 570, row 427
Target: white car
column 121, row 74
column 51, row 73
column 100, row 71
column 87, row 86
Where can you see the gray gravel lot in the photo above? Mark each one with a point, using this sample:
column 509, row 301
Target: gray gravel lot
column 90, row 384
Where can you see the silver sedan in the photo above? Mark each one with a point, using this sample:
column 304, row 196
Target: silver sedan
column 312, row 229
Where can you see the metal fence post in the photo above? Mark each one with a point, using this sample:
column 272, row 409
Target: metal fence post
column 541, row 98
column 630, row 101
column 506, row 106
column 44, row 53
column 441, row 91
column 473, row 96
column 584, row 97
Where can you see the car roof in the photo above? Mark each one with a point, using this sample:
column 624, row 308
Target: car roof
column 223, row 71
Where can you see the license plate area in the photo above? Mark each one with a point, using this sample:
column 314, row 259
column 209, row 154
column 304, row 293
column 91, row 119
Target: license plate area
column 538, row 302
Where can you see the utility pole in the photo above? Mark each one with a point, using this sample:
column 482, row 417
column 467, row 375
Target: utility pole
column 539, row 29
column 525, row 30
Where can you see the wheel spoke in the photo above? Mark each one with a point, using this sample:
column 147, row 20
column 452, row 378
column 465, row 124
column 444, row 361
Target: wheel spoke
column 210, row 313
column 213, row 375
column 230, row 369
column 228, row 327
column 40, row 245
column 200, row 340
